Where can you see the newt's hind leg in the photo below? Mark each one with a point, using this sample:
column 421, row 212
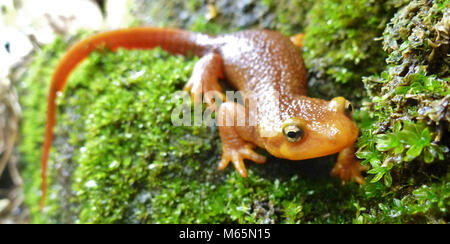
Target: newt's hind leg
column 204, row 80
column 348, row 167
column 235, row 134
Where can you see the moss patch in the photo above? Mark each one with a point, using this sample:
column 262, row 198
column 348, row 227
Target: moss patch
column 341, row 44
column 407, row 144
column 33, row 93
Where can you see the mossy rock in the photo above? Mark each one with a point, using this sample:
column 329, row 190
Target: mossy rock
column 287, row 16
column 407, row 143
column 118, row 159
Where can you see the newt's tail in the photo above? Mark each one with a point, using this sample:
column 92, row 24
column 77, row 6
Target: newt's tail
column 172, row 40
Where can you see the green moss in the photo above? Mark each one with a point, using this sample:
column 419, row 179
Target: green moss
column 117, row 157
column 287, row 16
column 405, row 141
column 341, row 46
column 32, row 98
column 408, row 99
column 426, row 204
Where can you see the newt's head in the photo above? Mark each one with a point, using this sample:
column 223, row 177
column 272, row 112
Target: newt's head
column 313, row 128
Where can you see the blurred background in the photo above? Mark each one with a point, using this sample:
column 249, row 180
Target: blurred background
column 25, row 26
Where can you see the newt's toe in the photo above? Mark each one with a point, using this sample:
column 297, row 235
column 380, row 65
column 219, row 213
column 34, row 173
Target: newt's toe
column 348, row 167
column 237, row 156
column 348, row 172
column 298, row 39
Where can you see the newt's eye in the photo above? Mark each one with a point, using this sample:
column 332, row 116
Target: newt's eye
column 348, row 108
column 293, row 133
column 341, row 105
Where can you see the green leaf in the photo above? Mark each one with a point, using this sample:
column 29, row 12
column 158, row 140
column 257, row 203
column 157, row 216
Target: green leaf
column 414, row 151
column 397, row 127
column 373, row 171
column 401, row 90
column 427, row 156
column 377, row 177
column 386, row 142
column 383, row 142
column 387, row 179
column 364, row 154
column 375, row 162
column 399, row 149
column 408, row 137
column 426, row 136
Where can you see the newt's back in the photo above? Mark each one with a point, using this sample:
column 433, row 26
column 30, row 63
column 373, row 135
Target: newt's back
column 261, row 60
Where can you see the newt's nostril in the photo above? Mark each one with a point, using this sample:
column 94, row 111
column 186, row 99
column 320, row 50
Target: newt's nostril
column 8, row 47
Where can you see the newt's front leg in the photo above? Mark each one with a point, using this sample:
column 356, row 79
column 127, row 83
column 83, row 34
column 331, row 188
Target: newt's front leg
column 204, row 80
column 348, row 167
column 233, row 131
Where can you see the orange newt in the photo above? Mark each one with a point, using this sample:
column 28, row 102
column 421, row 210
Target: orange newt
column 269, row 71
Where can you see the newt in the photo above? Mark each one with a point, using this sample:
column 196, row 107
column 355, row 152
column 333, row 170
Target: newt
column 266, row 67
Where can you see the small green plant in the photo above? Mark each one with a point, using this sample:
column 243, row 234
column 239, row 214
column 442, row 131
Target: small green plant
column 406, row 142
column 340, row 38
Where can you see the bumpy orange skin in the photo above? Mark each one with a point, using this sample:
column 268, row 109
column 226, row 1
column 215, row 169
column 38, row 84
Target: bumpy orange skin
column 269, row 71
